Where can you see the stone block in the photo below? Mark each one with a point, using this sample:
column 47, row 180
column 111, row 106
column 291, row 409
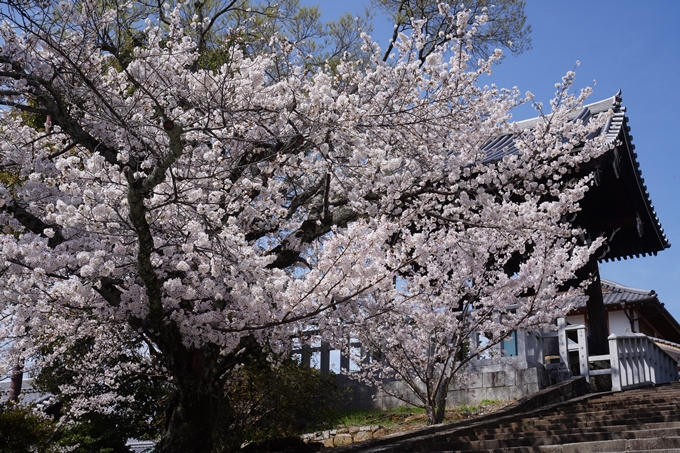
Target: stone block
column 458, row 397
column 474, row 380
column 362, row 435
column 380, row 432
column 353, row 429
column 494, row 379
column 510, row 377
column 342, row 439
column 530, row 389
column 528, row 376
column 328, row 443
column 498, row 393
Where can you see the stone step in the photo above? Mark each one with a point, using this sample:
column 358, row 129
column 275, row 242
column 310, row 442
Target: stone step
column 595, row 420
column 559, row 431
column 618, row 445
column 558, row 427
column 606, row 405
column 472, row 434
column 643, row 420
column 587, row 449
column 613, row 405
column 571, row 424
column 466, row 444
column 666, row 409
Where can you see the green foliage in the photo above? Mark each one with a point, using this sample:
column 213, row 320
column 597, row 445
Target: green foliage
column 94, row 433
column 469, row 410
column 24, row 431
column 9, row 179
column 267, row 401
column 275, row 401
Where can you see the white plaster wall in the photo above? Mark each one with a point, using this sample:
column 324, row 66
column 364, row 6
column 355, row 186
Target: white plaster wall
column 618, row 322
column 576, row 319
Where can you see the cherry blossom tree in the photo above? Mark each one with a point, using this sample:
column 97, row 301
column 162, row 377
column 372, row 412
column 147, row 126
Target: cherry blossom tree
column 173, row 213
column 489, row 255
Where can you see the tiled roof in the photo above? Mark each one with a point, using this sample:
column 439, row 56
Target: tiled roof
column 28, row 395
column 644, row 302
column 635, row 237
column 505, row 144
column 615, row 294
column 140, row 446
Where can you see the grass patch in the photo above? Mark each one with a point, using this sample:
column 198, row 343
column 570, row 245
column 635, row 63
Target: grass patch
column 407, row 417
column 377, row 417
column 473, row 409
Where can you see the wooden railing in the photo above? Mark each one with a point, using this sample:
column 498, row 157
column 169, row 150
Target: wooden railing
column 636, row 359
column 633, row 359
column 310, row 350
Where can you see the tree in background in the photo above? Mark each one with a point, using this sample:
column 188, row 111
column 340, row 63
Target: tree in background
column 505, row 25
column 24, row 431
column 283, row 401
column 191, row 200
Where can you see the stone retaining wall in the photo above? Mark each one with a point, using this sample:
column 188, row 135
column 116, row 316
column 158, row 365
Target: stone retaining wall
column 345, row 436
column 499, row 382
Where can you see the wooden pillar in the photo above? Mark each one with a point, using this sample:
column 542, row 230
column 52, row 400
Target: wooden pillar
column 598, row 331
column 325, row 360
column 344, row 357
column 306, row 356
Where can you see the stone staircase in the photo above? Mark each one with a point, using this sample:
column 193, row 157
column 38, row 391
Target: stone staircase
column 644, row 419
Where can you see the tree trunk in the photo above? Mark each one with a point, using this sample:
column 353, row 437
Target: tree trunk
column 437, row 409
column 200, row 417
column 198, row 420
column 16, row 382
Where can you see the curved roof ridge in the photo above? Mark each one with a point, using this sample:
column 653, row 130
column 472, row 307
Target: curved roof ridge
column 623, row 288
column 614, row 102
column 504, row 144
column 587, row 111
column 662, row 341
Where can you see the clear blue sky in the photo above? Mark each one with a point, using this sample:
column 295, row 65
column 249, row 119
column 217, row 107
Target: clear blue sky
column 629, row 45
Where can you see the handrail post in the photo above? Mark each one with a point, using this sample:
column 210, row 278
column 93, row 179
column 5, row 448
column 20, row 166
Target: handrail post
column 584, row 366
column 563, row 343
column 614, row 363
